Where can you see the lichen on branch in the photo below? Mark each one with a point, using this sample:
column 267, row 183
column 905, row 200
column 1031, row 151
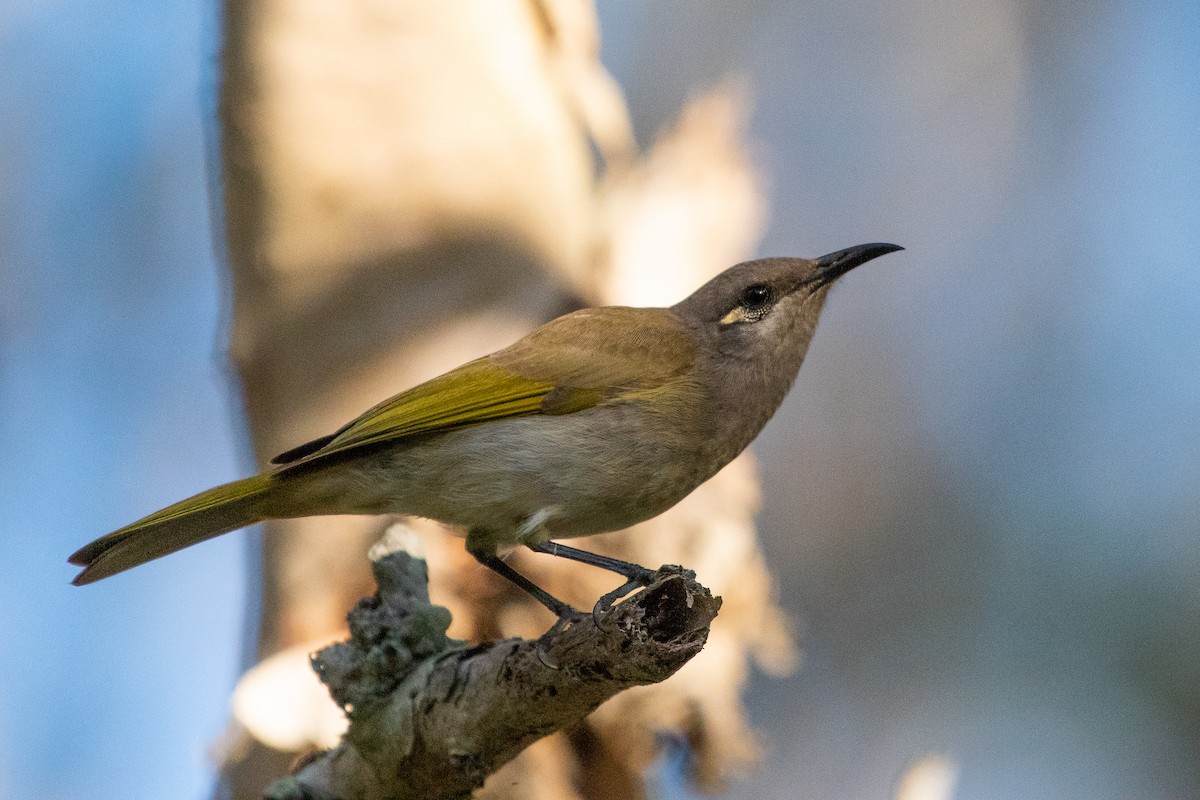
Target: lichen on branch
column 431, row 717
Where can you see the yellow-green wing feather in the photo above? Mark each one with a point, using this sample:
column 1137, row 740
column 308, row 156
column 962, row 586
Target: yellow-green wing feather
column 475, row 392
column 568, row 365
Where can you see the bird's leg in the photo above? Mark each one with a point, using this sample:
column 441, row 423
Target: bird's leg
column 626, row 569
column 564, row 612
column 636, row 576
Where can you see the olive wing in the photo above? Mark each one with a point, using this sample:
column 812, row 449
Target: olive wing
column 568, row 365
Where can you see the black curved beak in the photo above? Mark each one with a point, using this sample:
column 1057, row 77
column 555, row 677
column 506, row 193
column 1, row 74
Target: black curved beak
column 835, row 265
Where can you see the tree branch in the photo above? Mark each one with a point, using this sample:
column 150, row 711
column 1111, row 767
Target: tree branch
column 431, row 717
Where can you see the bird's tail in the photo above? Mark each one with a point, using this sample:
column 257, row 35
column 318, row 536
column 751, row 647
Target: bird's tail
column 208, row 514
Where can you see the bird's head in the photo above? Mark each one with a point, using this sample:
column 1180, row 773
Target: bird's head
column 759, row 309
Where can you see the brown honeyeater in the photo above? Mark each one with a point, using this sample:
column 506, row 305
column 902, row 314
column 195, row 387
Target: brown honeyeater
column 595, row 421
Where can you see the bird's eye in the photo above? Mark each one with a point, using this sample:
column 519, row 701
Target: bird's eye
column 757, row 297
column 754, row 303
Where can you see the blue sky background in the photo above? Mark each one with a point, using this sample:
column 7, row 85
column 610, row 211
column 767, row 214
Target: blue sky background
column 1000, row 432
column 112, row 400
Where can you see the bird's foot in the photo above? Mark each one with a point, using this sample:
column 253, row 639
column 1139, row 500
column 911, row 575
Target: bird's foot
column 567, row 617
column 634, row 580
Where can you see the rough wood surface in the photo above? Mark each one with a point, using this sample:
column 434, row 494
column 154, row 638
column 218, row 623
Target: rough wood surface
column 431, row 717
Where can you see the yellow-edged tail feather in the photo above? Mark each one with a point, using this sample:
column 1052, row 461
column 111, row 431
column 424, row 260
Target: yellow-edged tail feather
column 208, row 514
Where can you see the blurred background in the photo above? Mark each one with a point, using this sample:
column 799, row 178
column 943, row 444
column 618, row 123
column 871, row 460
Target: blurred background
column 980, row 501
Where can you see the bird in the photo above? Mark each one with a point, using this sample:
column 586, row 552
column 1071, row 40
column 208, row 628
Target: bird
column 597, row 420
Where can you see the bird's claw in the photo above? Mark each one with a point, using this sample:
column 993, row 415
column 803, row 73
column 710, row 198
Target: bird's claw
column 566, row 619
column 568, row 616
column 638, row 580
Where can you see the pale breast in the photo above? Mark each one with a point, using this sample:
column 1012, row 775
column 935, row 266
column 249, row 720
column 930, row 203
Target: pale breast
column 597, row 470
